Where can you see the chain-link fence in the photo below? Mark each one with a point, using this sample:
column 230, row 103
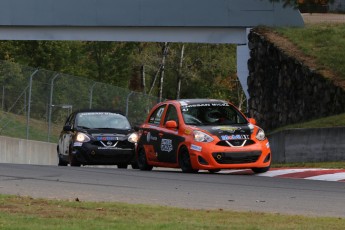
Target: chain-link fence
column 35, row 102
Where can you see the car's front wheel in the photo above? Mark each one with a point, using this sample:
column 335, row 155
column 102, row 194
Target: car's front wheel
column 261, row 170
column 142, row 161
column 73, row 161
column 122, row 166
column 184, row 161
column 61, row 162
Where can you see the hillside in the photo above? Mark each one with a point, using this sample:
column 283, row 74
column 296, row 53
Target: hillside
column 323, row 52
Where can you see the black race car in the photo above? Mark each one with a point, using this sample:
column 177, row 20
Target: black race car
column 97, row 137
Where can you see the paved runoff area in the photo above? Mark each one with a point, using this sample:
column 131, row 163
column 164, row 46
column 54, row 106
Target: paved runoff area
column 297, row 173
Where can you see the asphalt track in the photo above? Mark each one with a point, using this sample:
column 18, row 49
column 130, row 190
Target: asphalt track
column 237, row 190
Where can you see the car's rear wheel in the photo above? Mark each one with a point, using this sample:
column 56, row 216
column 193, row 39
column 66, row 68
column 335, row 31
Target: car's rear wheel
column 261, row 170
column 184, row 161
column 122, row 166
column 142, row 161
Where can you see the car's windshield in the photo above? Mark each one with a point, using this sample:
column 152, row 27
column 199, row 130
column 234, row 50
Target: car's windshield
column 102, row 120
column 212, row 114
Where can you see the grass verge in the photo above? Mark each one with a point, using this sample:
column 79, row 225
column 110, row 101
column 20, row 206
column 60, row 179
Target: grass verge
column 27, row 213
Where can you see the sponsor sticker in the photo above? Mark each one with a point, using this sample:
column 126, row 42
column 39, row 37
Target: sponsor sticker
column 268, row 145
column 166, row 145
column 187, row 131
column 107, row 138
column 230, row 129
column 234, row 137
column 196, row 148
column 77, row 144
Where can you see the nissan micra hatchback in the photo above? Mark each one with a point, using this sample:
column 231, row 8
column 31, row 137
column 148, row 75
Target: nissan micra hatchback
column 201, row 134
column 97, row 137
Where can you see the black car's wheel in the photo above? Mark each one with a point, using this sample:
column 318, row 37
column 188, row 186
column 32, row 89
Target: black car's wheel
column 61, row 162
column 135, row 165
column 142, row 161
column 261, row 170
column 73, row 161
column 122, row 166
column 184, row 161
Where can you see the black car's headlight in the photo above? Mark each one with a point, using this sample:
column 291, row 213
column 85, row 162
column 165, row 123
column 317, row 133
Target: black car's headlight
column 260, row 135
column 82, row 137
column 133, row 138
column 202, row 137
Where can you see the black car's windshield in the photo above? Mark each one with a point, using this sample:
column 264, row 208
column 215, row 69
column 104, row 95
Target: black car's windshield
column 102, row 120
column 211, row 114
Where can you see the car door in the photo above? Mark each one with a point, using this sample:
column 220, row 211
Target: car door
column 169, row 138
column 150, row 139
column 66, row 136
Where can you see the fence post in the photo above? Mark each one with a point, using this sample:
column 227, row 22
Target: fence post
column 127, row 101
column 29, row 105
column 91, row 93
column 51, row 105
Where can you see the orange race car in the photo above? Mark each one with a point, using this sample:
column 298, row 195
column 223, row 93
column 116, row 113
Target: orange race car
column 201, row 134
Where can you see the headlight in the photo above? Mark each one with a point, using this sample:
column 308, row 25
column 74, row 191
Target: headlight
column 260, row 135
column 82, row 137
column 133, row 138
column 202, row 137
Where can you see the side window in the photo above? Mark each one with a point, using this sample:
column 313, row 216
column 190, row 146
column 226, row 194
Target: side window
column 157, row 115
column 171, row 114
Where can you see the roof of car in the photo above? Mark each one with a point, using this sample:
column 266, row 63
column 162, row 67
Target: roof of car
column 200, row 101
column 98, row 110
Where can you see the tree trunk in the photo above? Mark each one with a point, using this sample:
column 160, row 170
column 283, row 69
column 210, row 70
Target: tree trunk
column 179, row 79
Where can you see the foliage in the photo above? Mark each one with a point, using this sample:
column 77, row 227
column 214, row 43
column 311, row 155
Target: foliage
column 205, row 66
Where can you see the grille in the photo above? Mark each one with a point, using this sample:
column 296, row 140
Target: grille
column 236, row 143
column 117, row 144
column 236, row 157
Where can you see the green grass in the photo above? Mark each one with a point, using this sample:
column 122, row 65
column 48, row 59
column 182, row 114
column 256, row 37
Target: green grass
column 331, row 121
column 27, row 213
column 13, row 125
column 324, row 42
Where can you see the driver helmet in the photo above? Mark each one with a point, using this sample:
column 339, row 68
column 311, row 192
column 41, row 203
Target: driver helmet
column 212, row 116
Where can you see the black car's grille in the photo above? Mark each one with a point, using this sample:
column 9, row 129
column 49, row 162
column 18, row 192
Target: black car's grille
column 236, row 143
column 236, row 157
column 118, row 144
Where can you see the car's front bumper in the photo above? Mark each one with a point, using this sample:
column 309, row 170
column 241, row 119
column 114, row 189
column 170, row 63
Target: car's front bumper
column 209, row 156
column 89, row 154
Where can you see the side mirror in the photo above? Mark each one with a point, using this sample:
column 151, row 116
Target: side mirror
column 252, row 121
column 171, row 124
column 67, row 128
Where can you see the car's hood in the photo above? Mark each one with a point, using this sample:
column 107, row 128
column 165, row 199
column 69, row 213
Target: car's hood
column 228, row 132
column 94, row 132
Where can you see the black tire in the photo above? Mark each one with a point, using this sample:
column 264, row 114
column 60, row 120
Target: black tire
column 142, row 161
column 260, row 170
column 61, row 162
column 73, row 161
column 184, row 161
column 122, row 166
column 135, row 165
column 214, row 170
